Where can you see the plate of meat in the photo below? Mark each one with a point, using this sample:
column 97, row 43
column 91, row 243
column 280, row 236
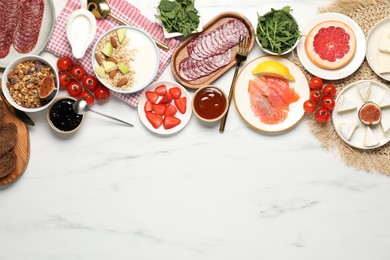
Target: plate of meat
column 25, row 28
column 204, row 57
column 267, row 101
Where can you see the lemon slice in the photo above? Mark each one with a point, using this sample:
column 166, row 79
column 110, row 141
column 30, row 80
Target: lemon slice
column 274, row 69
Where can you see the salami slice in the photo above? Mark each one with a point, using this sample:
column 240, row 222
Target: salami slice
column 29, row 25
column 9, row 14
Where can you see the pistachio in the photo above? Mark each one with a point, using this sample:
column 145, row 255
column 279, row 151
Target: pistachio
column 114, row 43
column 121, row 82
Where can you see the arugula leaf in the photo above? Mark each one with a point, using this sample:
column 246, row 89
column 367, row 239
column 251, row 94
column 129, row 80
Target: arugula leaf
column 178, row 16
column 277, row 31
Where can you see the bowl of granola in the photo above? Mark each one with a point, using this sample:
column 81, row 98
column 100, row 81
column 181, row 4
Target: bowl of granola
column 125, row 59
column 30, row 83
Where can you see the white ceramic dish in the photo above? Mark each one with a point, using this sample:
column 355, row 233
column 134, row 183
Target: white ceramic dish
column 183, row 117
column 10, row 67
column 242, row 100
column 177, row 34
column 351, row 93
column 209, row 97
column 372, row 53
column 145, row 63
column 47, row 26
column 348, row 69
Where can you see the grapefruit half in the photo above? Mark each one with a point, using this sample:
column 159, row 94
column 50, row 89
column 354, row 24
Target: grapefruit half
column 330, row 45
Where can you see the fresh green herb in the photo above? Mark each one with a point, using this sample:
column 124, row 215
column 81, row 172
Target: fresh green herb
column 277, row 31
column 178, row 16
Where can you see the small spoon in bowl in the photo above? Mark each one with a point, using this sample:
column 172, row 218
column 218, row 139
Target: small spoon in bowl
column 81, row 107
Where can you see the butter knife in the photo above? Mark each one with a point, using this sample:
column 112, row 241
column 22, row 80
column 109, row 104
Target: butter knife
column 18, row 113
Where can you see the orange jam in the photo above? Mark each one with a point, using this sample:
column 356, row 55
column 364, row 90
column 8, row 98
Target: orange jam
column 209, row 103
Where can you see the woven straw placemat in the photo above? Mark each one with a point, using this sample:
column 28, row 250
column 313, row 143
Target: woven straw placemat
column 366, row 13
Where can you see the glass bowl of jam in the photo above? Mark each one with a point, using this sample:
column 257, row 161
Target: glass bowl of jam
column 209, row 103
column 62, row 118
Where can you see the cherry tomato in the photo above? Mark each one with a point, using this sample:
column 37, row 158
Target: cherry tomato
column 329, row 90
column 102, row 93
column 90, row 82
column 309, row 106
column 315, row 83
column 315, row 96
column 328, row 103
column 65, row 79
column 87, row 97
column 74, row 89
column 78, row 72
column 64, row 63
column 322, row 115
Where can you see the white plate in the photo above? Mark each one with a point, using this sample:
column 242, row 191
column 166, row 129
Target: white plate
column 348, row 69
column 373, row 39
column 183, row 117
column 176, row 34
column 242, row 100
column 145, row 63
column 47, row 26
column 351, row 93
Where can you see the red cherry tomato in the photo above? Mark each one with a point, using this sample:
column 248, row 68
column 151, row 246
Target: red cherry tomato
column 309, row 106
column 74, row 89
column 101, row 93
column 64, row 63
column 87, row 97
column 328, row 103
column 90, row 82
column 78, row 72
column 65, row 79
column 315, row 96
column 329, row 90
column 322, row 115
column 315, row 83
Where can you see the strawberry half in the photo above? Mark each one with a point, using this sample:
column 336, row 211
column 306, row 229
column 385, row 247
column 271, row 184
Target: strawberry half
column 161, row 90
column 170, row 110
column 175, row 92
column 171, row 121
column 148, row 106
column 181, row 104
column 154, row 119
column 152, row 96
column 167, row 98
column 159, row 109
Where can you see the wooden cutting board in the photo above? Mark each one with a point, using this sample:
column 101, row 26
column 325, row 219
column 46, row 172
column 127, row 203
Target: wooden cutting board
column 21, row 149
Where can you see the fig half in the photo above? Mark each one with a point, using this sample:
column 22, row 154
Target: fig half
column 370, row 113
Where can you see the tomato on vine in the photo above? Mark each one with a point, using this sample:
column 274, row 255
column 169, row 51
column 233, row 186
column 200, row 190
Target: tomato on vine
column 315, row 83
column 102, row 93
column 85, row 95
column 322, row 115
column 309, row 106
column 64, row 63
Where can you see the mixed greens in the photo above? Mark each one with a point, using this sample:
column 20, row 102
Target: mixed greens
column 178, row 16
column 277, row 31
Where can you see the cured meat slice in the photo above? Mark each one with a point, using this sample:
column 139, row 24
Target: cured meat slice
column 28, row 28
column 9, row 13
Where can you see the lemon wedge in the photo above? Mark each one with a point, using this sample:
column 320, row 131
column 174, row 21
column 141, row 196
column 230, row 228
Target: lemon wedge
column 273, row 68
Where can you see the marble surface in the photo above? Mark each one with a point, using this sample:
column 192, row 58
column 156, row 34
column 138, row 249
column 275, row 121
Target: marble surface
column 113, row 192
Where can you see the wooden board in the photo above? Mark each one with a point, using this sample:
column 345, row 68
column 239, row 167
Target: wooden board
column 181, row 52
column 21, row 149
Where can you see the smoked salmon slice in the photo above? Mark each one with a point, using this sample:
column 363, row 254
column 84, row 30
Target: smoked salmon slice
column 274, row 96
column 283, row 88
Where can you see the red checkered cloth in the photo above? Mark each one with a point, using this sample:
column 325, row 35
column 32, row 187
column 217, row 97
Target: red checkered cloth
column 59, row 45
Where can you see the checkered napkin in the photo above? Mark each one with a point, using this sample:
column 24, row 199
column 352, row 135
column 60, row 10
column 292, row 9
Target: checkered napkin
column 59, row 45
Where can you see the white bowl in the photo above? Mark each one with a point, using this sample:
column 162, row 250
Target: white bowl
column 210, row 102
column 11, row 66
column 145, row 63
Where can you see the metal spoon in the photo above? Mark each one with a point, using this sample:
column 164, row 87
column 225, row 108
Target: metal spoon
column 100, row 9
column 81, row 107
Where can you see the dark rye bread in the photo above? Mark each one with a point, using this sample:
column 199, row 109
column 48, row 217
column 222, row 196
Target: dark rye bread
column 7, row 163
column 8, row 135
column 2, row 108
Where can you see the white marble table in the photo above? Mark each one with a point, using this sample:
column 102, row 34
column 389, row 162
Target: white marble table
column 111, row 192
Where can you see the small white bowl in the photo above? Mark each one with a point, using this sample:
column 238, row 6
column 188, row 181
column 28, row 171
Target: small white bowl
column 11, row 66
column 208, row 98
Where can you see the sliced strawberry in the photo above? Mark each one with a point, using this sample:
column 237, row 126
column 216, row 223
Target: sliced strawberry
column 148, row 106
column 154, row 119
column 171, row 121
column 152, row 96
column 175, row 92
column 161, row 90
column 181, row 104
column 167, row 98
column 159, row 109
column 170, row 110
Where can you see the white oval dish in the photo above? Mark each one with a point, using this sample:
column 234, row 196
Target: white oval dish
column 80, row 30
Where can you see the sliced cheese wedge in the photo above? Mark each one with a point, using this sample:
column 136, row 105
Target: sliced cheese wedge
column 384, row 41
column 385, row 100
column 365, row 90
column 383, row 62
column 385, row 123
column 347, row 129
column 345, row 104
column 370, row 138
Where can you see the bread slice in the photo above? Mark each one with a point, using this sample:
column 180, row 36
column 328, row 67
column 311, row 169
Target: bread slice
column 8, row 135
column 2, row 112
column 7, row 163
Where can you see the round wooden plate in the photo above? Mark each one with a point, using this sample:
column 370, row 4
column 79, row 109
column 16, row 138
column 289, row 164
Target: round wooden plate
column 21, row 149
